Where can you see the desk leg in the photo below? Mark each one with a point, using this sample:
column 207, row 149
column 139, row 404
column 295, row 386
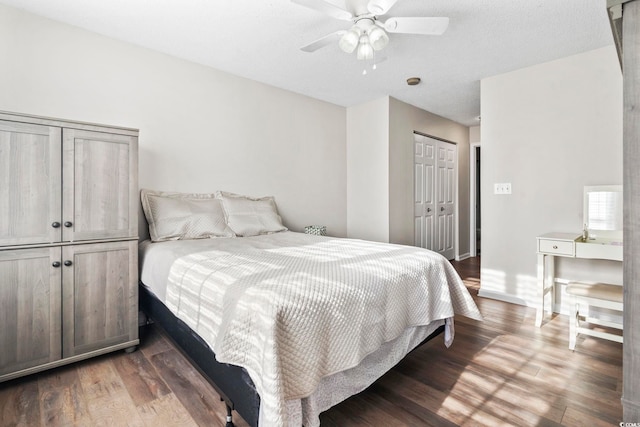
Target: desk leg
column 541, row 289
column 550, row 281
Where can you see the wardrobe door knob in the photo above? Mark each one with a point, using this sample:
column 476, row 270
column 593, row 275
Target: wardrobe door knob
column 68, row 224
column 55, row 224
column 56, row 264
column 68, row 263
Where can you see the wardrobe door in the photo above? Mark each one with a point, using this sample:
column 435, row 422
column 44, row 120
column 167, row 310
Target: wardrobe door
column 99, row 296
column 30, row 315
column 30, row 181
column 99, row 185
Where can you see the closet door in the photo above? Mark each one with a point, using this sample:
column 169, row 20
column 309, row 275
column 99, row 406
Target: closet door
column 424, row 195
column 99, row 185
column 30, row 207
column 29, row 308
column 435, row 172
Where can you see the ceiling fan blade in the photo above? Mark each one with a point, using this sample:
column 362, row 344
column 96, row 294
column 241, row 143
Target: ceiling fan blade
column 427, row 26
column 322, row 42
column 380, row 7
column 326, row 8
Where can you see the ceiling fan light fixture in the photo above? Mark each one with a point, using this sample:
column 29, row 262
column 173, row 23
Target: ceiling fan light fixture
column 349, row 41
column 378, row 38
column 368, row 33
column 365, row 50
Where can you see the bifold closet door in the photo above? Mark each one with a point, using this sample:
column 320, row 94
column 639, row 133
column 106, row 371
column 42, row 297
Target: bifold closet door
column 424, row 187
column 435, row 194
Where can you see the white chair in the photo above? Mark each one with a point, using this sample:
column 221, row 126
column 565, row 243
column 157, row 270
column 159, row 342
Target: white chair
column 595, row 295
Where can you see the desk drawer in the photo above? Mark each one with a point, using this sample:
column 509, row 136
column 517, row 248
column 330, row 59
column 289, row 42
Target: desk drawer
column 556, row 247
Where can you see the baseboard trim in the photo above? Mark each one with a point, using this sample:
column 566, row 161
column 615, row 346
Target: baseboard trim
column 503, row 297
column 462, row 257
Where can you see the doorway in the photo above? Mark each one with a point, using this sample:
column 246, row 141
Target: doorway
column 435, row 198
column 475, row 201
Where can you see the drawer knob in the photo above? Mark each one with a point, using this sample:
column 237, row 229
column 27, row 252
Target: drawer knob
column 555, row 246
column 68, row 263
column 56, row 264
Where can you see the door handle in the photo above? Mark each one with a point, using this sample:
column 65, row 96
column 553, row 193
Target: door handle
column 68, row 263
column 441, row 208
column 428, row 209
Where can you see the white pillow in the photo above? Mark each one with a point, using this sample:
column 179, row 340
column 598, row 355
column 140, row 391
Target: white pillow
column 178, row 216
column 248, row 216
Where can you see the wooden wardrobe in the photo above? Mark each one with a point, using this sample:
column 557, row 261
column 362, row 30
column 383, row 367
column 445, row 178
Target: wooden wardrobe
column 68, row 242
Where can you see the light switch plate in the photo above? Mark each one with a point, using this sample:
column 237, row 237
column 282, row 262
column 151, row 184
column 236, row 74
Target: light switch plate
column 502, row 188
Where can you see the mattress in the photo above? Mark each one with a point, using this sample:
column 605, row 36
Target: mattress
column 190, row 276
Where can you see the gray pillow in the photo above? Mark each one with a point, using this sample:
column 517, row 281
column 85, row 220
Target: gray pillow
column 181, row 216
column 248, row 216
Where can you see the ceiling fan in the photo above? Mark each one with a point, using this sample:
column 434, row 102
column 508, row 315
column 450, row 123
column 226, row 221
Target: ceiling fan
column 368, row 33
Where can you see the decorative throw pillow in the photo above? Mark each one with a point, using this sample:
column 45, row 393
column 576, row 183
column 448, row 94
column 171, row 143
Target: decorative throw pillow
column 248, row 216
column 181, row 216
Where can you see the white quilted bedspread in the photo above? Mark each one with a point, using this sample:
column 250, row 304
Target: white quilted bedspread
column 292, row 308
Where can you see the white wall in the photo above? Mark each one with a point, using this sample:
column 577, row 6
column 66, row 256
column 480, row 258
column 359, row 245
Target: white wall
column 404, row 120
column 380, row 169
column 368, row 170
column 474, row 135
column 549, row 130
column 200, row 129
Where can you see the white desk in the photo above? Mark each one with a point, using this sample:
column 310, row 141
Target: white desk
column 570, row 245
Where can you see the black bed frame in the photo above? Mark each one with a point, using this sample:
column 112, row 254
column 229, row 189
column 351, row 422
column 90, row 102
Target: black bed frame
column 232, row 382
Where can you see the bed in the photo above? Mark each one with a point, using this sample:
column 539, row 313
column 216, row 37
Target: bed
column 285, row 324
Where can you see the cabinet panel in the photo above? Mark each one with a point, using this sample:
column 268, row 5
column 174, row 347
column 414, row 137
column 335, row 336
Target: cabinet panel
column 30, row 316
column 100, row 189
column 30, row 183
column 100, row 296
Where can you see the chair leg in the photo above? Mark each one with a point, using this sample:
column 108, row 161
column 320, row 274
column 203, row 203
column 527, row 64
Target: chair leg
column 573, row 323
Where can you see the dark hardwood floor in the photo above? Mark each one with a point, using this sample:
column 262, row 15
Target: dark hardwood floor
column 503, row 371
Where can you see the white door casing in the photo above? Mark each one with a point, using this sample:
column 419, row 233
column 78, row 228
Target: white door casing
column 474, row 223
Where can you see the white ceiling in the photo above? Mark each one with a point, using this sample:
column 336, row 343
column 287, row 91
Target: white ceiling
column 260, row 40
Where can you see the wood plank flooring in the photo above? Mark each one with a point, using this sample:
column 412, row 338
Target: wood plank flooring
column 500, row 372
